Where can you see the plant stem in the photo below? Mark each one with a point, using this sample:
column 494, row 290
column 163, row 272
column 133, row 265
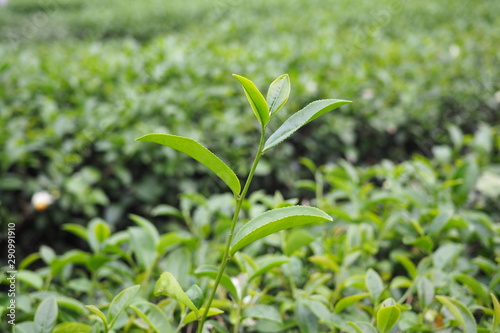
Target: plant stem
column 239, row 201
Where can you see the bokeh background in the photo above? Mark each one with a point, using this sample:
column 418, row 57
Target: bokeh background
column 80, row 80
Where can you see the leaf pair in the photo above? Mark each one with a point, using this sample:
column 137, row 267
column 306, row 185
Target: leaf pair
column 277, row 96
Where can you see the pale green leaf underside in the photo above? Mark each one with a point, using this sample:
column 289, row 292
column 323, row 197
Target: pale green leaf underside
column 274, row 221
column 261, row 311
column 460, row 312
column 120, row 303
column 98, row 312
column 195, row 150
column 255, row 98
column 301, row 118
column 168, row 285
column 154, row 316
column 46, row 315
column 278, row 94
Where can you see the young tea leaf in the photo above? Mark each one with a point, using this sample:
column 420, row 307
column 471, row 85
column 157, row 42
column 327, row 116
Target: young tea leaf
column 274, row 221
column 267, row 263
column 195, row 150
column 151, row 314
column 98, row 312
column 349, row 300
column 72, row 328
column 192, row 315
column 374, row 285
column 387, row 317
column 301, row 118
column 462, row 315
column 278, row 94
column 425, row 292
column 46, row 315
column 256, row 100
column 225, row 281
column 362, row 327
column 167, row 285
column 120, row 303
column 261, row 311
column 496, row 314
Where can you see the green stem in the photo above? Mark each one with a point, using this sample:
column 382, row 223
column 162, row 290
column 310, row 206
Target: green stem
column 239, row 201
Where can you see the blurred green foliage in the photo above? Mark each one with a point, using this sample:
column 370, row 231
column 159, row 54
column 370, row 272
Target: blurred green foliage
column 410, row 170
column 81, row 79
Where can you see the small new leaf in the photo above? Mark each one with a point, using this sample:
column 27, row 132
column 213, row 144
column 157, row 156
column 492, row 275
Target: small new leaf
column 387, row 317
column 167, row 285
column 278, row 94
column 256, row 100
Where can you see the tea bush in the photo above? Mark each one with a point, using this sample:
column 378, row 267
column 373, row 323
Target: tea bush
column 410, row 172
column 413, row 69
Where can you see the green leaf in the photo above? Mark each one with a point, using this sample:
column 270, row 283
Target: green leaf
column 477, row 289
column 349, row 300
column 167, row 285
column 47, row 254
column 46, row 315
column 295, row 240
column 195, row 295
column 94, row 243
column 225, row 281
column 425, row 292
column 445, row 254
column 31, row 278
column 266, row 263
column 496, row 314
column 278, row 94
column 72, row 328
column 462, row 315
column 120, row 303
column 439, row 222
column 24, row 327
column 307, row 320
column 261, row 311
column 387, row 317
column 76, row 229
column 146, row 225
column 374, row 285
column 362, row 327
column 191, row 316
column 154, row 316
column 301, row 118
column 407, row 264
column 179, row 265
column 101, row 232
column 256, row 100
column 98, row 312
column 276, row 220
column 167, row 240
column 192, row 148
column 143, row 246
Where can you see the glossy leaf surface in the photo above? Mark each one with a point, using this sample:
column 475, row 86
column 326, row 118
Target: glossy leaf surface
column 195, row 150
column 276, row 220
column 301, row 118
column 255, row 98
